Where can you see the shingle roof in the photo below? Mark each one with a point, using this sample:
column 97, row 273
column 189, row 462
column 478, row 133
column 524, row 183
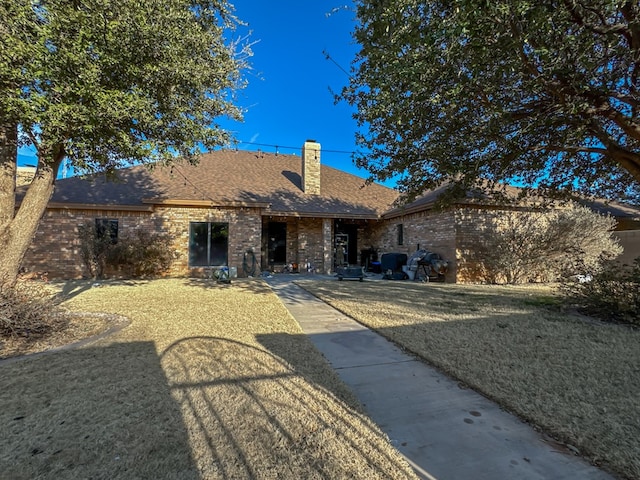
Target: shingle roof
column 229, row 177
column 430, row 198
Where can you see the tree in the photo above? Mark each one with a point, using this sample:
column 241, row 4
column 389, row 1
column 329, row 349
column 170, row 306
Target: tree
column 543, row 93
column 106, row 83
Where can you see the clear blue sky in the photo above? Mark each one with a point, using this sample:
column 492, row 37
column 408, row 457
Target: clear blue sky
column 288, row 98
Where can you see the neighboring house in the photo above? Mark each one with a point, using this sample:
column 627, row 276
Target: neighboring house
column 24, row 175
column 455, row 232
column 237, row 206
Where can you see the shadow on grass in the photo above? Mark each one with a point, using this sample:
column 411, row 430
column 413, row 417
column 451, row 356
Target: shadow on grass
column 259, row 416
column 99, row 412
column 575, row 379
column 250, row 285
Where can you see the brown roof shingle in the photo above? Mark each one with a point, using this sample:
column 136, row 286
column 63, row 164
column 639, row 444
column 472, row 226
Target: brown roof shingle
column 229, row 177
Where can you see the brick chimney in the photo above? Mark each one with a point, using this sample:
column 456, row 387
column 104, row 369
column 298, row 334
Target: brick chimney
column 311, row 167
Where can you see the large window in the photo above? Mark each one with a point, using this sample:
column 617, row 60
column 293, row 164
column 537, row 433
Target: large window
column 208, row 244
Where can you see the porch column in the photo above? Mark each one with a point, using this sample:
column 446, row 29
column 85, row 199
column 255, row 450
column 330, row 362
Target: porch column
column 327, row 241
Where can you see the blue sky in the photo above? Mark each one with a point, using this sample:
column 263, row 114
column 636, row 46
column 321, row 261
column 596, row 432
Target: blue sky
column 288, row 98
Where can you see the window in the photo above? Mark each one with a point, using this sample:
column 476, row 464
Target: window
column 106, row 227
column 208, row 244
column 400, row 234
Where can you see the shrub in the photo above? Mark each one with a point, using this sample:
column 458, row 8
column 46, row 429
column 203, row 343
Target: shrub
column 93, row 249
column 28, row 310
column 527, row 246
column 611, row 294
column 137, row 254
column 141, row 254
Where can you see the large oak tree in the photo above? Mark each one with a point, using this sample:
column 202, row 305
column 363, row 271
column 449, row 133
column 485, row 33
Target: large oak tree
column 541, row 93
column 104, row 83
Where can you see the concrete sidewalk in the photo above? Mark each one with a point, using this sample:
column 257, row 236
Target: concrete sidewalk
column 445, row 431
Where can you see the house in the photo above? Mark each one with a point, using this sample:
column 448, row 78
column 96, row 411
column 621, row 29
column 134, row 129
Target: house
column 279, row 209
column 258, row 211
column 456, row 231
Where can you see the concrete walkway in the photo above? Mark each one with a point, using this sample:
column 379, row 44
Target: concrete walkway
column 446, row 432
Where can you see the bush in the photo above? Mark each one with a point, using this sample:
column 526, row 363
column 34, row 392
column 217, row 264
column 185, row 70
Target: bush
column 93, row 249
column 28, row 310
column 138, row 254
column 529, row 246
column 612, row 294
column 141, row 254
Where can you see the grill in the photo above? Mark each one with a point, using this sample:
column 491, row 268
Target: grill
column 428, row 265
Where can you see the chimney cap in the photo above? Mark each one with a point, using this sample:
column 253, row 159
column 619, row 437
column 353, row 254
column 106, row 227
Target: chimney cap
column 310, row 140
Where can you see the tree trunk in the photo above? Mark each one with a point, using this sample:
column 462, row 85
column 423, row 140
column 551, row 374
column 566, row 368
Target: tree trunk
column 8, row 158
column 17, row 233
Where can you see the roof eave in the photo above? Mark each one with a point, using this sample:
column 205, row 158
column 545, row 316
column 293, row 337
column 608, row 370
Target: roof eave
column 203, row 203
column 95, row 206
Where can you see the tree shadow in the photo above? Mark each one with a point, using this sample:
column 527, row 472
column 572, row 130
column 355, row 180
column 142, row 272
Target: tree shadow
column 250, row 285
column 66, row 290
column 261, row 416
column 98, row 412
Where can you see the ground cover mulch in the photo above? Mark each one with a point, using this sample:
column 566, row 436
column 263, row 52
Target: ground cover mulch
column 207, row 381
column 574, row 377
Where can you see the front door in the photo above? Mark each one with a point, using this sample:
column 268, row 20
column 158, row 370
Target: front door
column 345, row 244
column 276, row 243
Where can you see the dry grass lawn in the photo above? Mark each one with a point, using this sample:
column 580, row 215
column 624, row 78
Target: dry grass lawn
column 576, row 378
column 207, row 382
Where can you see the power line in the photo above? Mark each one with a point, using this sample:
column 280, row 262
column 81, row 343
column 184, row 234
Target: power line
column 324, row 150
column 330, row 58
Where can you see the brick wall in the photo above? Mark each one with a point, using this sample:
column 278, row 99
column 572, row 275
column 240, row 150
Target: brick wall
column 56, row 246
column 311, row 243
column 245, row 231
column 630, row 242
column 432, row 231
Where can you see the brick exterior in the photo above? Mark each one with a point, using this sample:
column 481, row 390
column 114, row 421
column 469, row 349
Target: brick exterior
column 454, row 234
column 56, row 246
column 435, row 232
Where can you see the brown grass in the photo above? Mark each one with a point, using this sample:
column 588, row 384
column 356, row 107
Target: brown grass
column 576, row 378
column 208, row 381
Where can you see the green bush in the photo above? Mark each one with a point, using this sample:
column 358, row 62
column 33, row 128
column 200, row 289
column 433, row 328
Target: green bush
column 613, row 294
column 27, row 310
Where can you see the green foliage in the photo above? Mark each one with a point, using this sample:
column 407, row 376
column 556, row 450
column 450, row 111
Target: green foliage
column 543, row 93
column 106, row 82
column 27, row 310
column 137, row 254
column 612, row 294
column 535, row 246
